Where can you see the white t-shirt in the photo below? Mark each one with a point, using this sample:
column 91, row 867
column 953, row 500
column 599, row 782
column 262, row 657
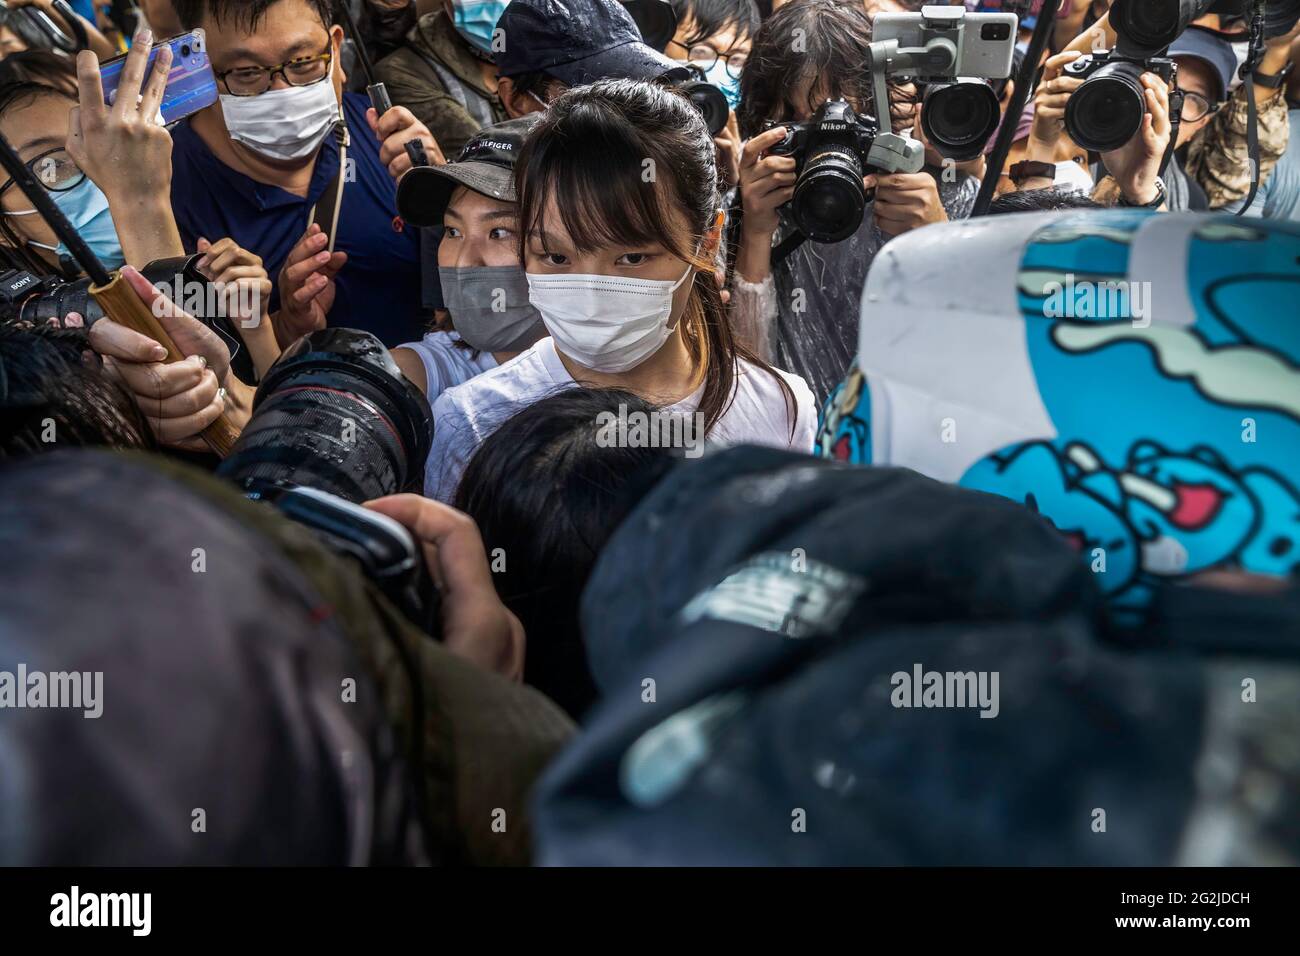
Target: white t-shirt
column 465, row 415
column 446, row 364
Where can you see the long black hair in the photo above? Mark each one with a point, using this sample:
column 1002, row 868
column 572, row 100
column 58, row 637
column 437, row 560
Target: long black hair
column 820, row 44
column 622, row 159
column 51, row 398
column 547, row 492
column 710, row 17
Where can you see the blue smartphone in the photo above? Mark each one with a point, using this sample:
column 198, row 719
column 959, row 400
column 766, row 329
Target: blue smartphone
column 191, row 84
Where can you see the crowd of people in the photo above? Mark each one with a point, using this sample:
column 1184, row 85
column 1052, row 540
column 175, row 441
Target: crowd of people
column 544, row 230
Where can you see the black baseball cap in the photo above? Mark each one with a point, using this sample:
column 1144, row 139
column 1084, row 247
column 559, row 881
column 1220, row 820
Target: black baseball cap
column 486, row 164
column 578, row 42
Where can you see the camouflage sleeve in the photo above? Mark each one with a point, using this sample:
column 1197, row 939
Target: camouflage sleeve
column 412, row 83
column 1217, row 156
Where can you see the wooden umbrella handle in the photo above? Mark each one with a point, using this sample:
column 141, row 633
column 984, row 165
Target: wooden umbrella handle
column 120, row 303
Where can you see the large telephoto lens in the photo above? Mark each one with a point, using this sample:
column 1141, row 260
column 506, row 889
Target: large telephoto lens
column 1106, row 111
column 829, row 199
column 958, row 118
column 1148, row 26
column 334, row 413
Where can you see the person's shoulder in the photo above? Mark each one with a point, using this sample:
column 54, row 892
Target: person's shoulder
column 183, row 136
column 189, row 153
column 354, row 108
column 765, row 381
column 506, row 378
column 447, row 363
column 763, row 410
column 402, row 64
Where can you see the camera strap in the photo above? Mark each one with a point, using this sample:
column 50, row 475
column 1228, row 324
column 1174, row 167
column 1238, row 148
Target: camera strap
column 326, row 211
column 786, row 246
column 1253, row 58
column 1176, row 100
column 1252, row 142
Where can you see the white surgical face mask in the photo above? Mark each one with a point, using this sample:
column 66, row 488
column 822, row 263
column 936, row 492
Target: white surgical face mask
column 283, row 124
column 605, row 323
column 1071, row 175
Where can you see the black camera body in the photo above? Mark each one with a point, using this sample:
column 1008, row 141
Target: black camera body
column 834, row 124
column 38, row 300
column 1090, row 64
column 1106, row 111
column 50, row 297
column 833, row 151
column 33, row 299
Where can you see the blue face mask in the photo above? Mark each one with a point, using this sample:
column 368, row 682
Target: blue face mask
column 721, row 77
column 476, row 20
column 87, row 209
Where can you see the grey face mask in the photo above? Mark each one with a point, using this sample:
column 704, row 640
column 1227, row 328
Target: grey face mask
column 489, row 307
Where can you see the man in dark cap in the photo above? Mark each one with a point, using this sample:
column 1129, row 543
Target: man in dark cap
column 459, row 73
column 550, row 45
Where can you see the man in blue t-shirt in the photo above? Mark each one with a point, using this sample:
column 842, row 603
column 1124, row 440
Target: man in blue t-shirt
column 257, row 165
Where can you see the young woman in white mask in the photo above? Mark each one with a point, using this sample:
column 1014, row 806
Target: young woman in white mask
column 619, row 222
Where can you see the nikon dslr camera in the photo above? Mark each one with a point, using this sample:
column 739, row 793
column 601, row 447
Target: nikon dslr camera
column 834, row 150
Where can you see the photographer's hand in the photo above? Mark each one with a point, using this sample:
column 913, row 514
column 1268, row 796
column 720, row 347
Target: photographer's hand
column 1050, row 100
column 765, row 184
column 1136, row 165
column 306, row 286
column 179, row 399
column 395, row 129
column 475, row 624
column 1277, row 51
column 906, row 201
column 245, row 289
column 126, row 153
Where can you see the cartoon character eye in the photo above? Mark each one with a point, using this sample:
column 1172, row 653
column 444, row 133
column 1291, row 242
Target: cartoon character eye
column 1279, row 547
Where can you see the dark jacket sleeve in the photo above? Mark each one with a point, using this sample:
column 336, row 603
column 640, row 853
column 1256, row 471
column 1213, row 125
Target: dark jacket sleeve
column 413, row 83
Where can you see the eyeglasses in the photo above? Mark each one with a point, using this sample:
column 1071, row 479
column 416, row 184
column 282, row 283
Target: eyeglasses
column 53, row 169
column 705, row 56
column 1196, row 107
column 255, row 80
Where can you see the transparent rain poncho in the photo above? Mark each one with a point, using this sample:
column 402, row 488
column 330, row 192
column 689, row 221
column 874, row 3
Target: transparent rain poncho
column 804, row 319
